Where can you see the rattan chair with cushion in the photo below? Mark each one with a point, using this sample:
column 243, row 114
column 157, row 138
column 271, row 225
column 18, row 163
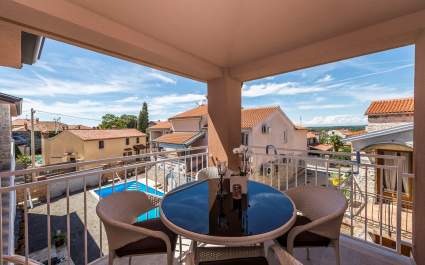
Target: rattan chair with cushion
column 207, row 173
column 275, row 255
column 118, row 213
column 319, row 225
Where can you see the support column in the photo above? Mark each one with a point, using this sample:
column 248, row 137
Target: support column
column 419, row 154
column 224, row 120
column 10, row 45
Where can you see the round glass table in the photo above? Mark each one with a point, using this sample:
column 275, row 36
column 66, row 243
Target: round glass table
column 196, row 212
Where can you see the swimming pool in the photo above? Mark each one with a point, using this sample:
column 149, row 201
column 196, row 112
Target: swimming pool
column 132, row 185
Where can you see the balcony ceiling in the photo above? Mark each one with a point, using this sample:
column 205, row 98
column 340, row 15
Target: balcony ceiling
column 199, row 38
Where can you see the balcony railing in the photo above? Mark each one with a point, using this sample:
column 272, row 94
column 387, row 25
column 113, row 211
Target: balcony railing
column 376, row 213
column 65, row 195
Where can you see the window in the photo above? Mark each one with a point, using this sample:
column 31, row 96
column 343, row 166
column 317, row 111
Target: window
column 285, row 136
column 101, row 144
column 265, row 129
column 244, row 138
column 137, row 140
column 127, row 141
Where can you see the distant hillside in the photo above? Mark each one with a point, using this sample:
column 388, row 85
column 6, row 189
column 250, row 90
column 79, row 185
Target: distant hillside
column 328, row 128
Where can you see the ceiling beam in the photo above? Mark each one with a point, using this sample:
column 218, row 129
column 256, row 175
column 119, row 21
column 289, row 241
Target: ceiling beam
column 390, row 34
column 70, row 23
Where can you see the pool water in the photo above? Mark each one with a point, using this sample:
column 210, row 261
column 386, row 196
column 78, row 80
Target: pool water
column 132, row 185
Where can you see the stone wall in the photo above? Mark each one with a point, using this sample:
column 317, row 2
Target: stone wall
column 382, row 122
column 5, row 137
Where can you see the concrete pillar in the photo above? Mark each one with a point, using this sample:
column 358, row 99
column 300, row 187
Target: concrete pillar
column 224, row 120
column 10, row 45
column 419, row 154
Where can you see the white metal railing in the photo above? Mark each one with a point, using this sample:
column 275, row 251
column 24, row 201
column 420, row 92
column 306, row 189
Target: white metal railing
column 376, row 212
column 158, row 172
column 371, row 210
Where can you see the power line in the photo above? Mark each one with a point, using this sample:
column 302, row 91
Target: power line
column 66, row 115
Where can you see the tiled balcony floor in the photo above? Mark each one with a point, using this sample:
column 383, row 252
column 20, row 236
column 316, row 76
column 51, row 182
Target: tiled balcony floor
column 353, row 252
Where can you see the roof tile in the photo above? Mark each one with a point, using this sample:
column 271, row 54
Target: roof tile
column 100, row 134
column 392, row 106
column 176, row 137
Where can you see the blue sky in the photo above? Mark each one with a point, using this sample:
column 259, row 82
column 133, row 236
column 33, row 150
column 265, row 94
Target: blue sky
column 75, row 82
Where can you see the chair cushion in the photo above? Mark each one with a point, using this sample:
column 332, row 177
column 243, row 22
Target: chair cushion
column 148, row 245
column 305, row 239
column 238, row 261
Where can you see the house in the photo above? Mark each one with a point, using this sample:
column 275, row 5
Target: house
column 259, row 127
column 93, row 144
column 158, row 129
column 21, row 131
column 385, row 114
column 187, row 129
column 389, row 132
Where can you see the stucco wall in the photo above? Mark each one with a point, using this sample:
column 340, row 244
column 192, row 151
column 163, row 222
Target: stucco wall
column 112, row 148
column 54, row 148
column 296, row 139
column 186, row 125
column 66, row 142
column 403, row 138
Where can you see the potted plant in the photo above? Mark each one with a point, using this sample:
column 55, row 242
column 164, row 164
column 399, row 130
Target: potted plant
column 241, row 178
column 59, row 238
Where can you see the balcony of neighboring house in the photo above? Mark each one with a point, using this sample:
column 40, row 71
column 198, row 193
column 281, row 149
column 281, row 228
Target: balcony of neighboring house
column 56, row 216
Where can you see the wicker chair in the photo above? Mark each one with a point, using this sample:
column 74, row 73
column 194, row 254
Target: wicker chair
column 207, row 173
column 18, row 259
column 118, row 213
column 320, row 223
column 248, row 256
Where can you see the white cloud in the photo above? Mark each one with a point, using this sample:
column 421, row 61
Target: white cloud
column 162, row 78
column 287, row 88
column 128, row 99
column 44, row 86
column 370, row 92
column 174, row 98
column 324, row 106
column 326, row 78
column 345, row 119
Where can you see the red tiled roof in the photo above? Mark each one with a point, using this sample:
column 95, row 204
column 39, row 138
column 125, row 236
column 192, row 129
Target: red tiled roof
column 322, row 147
column 99, row 134
column 176, row 137
column 192, row 113
column 311, row 135
column 392, row 106
column 251, row 117
column 161, row 125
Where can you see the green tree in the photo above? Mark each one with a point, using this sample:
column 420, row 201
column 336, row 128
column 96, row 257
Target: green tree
column 323, row 137
column 129, row 120
column 110, row 121
column 336, row 142
column 143, row 118
column 23, row 160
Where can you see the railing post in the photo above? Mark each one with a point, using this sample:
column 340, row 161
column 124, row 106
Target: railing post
column 399, row 208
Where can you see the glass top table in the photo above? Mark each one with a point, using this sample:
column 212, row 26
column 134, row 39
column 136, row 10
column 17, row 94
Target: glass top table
column 196, row 212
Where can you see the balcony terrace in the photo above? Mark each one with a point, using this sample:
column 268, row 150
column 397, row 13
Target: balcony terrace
column 224, row 44
column 67, row 201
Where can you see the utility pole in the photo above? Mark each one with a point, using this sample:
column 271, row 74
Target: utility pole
column 32, row 142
